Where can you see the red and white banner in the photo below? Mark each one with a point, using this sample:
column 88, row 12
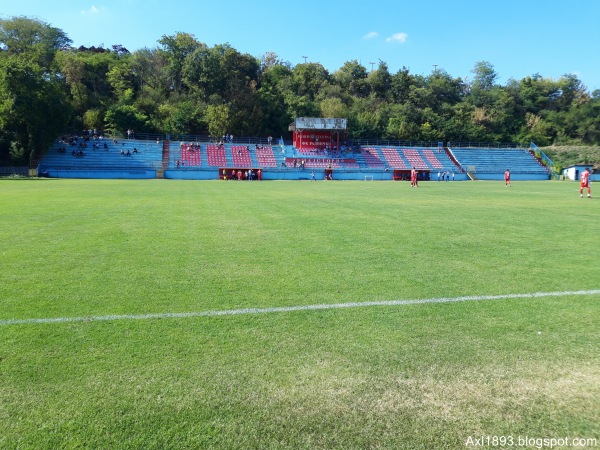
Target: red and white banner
column 313, row 139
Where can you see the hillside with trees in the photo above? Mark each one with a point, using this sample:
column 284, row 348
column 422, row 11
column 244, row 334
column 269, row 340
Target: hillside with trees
column 183, row 86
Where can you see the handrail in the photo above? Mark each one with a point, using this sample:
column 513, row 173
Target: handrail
column 14, row 170
column 488, row 145
column 275, row 140
column 545, row 159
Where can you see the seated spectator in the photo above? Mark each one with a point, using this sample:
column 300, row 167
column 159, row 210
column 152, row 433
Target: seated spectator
column 135, row 150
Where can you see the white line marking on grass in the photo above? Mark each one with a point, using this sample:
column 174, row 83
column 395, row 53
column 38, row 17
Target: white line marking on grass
column 281, row 309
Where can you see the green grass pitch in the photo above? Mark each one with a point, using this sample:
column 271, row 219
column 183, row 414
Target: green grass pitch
column 420, row 376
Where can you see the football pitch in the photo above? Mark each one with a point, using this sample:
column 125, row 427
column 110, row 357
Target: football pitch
column 155, row 314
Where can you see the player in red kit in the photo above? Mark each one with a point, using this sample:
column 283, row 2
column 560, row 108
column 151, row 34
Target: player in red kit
column 413, row 178
column 585, row 183
column 507, row 178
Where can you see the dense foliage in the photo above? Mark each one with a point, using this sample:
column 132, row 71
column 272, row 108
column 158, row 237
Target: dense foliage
column 182, row 86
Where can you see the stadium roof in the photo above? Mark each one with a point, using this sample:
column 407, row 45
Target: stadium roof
column 316, row 123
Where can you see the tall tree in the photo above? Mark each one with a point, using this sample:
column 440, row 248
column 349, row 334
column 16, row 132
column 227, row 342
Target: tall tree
column 177, row 48
column 352, row 78
column 380, row 81
column 33, row 107
column 32, row 38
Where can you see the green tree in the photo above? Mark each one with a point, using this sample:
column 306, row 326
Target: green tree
column 177, row 49
column 333, row 107
column 33, row 39
column 276, row 116
column 33, row 107
column 218, row 120
column 120, row 118
column 380, row 81
column 352, row 78
column 308, row 79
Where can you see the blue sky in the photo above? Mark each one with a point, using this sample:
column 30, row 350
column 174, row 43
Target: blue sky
column 519, row 38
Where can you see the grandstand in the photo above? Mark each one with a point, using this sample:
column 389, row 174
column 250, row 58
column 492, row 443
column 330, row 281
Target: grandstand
column 393, row 158
column 216, row 155
column 201, row 159
column 191, row 154
column 265, row 157
column 77, row 157
column 490, row 163
column 372, row 158
column 240, row 154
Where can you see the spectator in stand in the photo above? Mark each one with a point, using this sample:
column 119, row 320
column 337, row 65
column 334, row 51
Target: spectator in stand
column 270, row 140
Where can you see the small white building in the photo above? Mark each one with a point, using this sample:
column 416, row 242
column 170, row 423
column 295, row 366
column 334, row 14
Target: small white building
column 572, row 172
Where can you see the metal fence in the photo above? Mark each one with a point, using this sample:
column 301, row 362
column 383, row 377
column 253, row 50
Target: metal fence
column 14, row 170
column 490, row 145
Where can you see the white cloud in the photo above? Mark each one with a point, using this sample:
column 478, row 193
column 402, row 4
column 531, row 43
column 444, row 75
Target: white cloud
column 397, row 37
column 92, row 10
column 371, row 35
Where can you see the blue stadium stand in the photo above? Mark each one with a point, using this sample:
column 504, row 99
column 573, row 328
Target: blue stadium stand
column 144, row 160
column 491, row 163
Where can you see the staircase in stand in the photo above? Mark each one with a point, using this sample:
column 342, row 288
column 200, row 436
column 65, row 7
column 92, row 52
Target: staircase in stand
column 160, row 173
